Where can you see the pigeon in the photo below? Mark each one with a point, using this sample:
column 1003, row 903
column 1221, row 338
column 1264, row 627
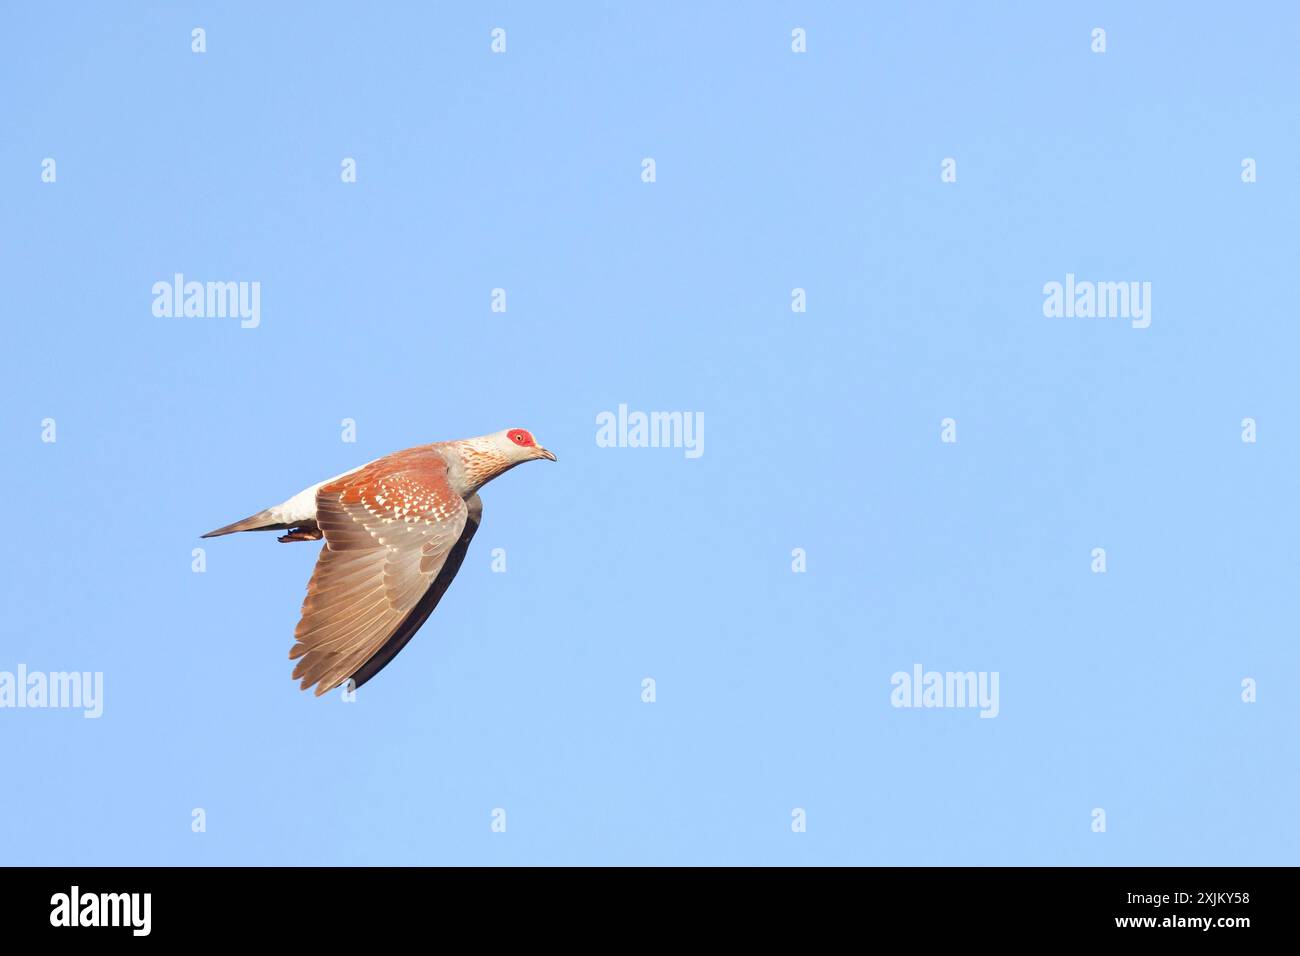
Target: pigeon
column 396, row 530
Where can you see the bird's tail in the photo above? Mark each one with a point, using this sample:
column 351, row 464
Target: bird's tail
column 262, row 521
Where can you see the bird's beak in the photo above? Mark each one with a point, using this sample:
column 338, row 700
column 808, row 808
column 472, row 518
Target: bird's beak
column 549, row 456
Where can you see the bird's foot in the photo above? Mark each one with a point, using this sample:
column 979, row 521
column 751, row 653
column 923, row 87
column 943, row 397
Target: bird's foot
column 302, row 534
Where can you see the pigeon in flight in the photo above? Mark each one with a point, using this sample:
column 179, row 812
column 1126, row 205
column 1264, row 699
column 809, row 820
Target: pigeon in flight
column 396, row 531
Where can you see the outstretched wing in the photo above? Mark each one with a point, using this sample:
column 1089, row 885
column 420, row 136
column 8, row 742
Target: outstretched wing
column 389, row 530
column 420, row 613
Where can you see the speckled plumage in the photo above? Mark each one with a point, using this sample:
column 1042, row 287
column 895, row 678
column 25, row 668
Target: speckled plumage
column 396, row 530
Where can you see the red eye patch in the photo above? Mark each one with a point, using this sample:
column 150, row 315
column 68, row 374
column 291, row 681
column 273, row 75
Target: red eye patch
column 520, row 437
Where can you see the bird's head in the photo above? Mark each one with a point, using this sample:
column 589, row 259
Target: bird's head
column 518, row 445
column 488, row 456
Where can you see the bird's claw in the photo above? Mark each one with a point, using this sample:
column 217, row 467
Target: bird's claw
column 301, row 534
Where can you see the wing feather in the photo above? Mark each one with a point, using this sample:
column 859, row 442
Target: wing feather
column 389, row 530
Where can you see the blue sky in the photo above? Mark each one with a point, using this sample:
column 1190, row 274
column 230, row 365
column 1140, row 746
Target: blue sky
column 775, row 170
